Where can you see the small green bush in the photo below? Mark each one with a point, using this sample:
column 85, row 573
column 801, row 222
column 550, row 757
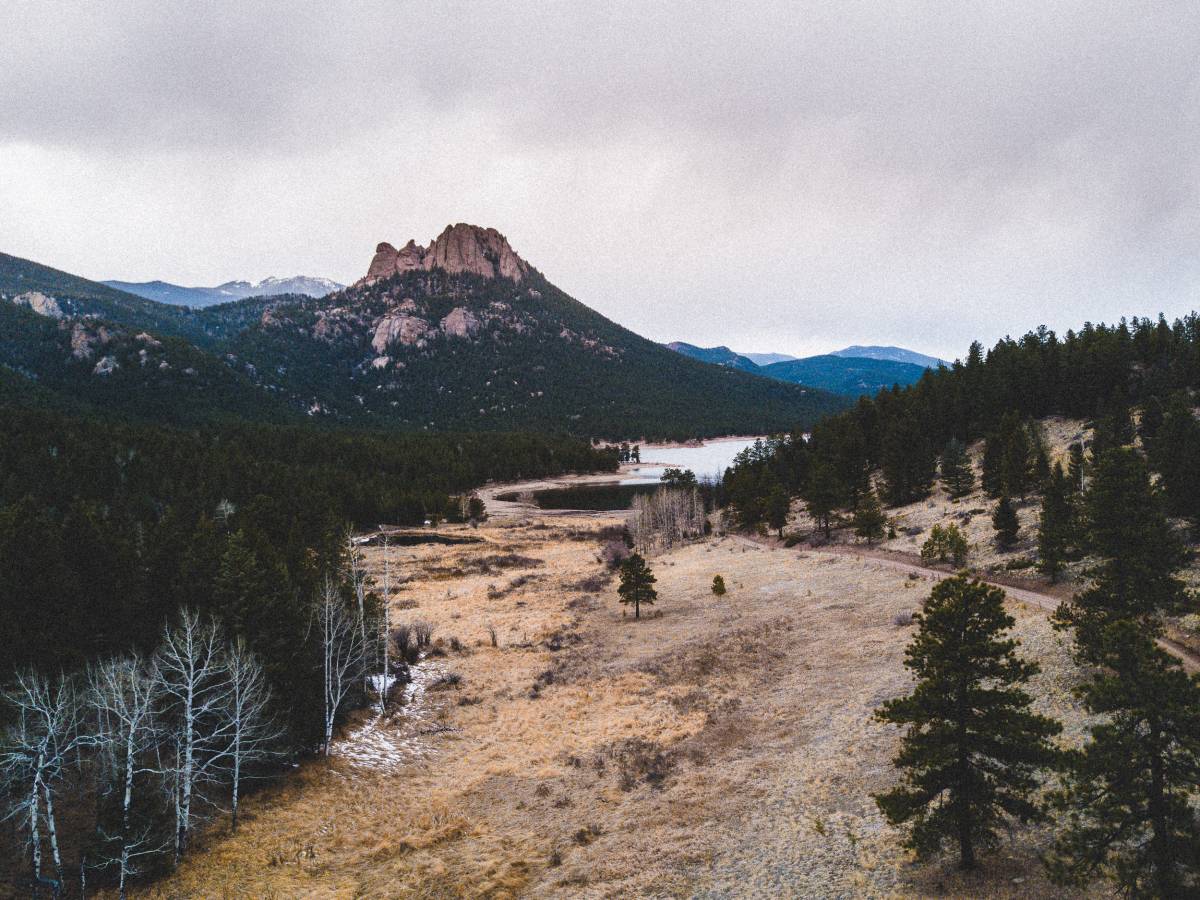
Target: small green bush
column 718, row 586
column 946, row 544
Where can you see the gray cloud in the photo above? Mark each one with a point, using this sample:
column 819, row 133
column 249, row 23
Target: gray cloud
column 768, row 175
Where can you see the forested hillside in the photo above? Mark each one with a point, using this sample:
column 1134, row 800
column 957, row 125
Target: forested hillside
column 450, row 344
column 1099, row 373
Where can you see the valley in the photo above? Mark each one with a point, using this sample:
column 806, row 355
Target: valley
column 721, row 747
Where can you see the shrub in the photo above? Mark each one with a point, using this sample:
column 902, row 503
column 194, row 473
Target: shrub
column 718, row 586
column 945, row 544
column 422, row 633
column 613, row 554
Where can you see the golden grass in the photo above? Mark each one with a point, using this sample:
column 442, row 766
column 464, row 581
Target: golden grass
column 726, row 746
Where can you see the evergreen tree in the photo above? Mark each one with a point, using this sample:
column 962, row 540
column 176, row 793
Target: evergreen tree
column 869, row 520
column 1151, row 420
column 945, row 544
column 637, row 584
column 957, row 475
column 1127, row 529
column 718, row 586
column 822, row 493
column 1009, row 458
column 1129, row 796
column 974, row 749
column 778, row 506
column 1175, row 454
column 908, row 463
column 1113, row 429
column 1132, row 789
column 1004, row 520
column 1055, row 525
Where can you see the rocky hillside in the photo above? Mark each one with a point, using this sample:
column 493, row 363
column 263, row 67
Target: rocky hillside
column 466, row 334
column 460, row 335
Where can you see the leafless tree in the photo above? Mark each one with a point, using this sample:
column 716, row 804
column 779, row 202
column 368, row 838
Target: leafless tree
column 385, row 631
column 35, row 750
column 248, row 725
column 123, row 694
column 356, row 570
column 193, row 681
column 666, row 519
column 342, row 652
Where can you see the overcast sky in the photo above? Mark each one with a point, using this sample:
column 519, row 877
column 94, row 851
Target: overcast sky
column 771, row 176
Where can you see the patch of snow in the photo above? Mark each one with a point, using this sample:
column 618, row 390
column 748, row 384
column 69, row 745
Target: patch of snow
column 385, row 743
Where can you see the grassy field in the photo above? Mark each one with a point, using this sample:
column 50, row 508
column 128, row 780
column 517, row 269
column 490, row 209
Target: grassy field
column 721, row 747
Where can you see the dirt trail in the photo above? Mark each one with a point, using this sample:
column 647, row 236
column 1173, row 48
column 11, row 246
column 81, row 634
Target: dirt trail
column 1042, row 599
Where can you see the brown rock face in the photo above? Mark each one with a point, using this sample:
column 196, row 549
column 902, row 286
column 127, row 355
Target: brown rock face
column 460, row 323
column 398, row 327
column 460, row 248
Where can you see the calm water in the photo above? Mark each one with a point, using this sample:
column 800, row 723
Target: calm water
column 709, row 460
column 604, row 496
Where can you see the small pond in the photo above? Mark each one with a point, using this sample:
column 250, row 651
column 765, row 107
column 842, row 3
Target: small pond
column 602, row 496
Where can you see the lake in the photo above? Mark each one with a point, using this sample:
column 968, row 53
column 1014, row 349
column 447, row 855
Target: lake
column 709, row 460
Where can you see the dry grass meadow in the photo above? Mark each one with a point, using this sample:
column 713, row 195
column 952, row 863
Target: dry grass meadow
column 723, row 747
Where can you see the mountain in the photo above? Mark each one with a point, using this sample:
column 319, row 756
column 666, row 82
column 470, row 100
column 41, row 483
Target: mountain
column 460, row 335
column 894, row 354
column 718, row 356
column 849, row 376
column 198, row 297
column 765, row 359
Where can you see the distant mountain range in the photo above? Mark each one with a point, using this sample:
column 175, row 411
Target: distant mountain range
column 765, row 359
column 853, row 372
column 199, row 297
column 895, row 354
column 717, row 356
column 460, row 335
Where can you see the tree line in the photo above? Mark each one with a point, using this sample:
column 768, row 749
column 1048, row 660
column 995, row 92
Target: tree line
column 899, row 441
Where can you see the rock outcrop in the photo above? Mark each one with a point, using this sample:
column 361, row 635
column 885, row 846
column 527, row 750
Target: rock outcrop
column 395, row 326
column 39, row 303
column 460, row 248
column 460, row 323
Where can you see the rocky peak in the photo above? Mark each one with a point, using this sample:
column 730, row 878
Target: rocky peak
column 460, row 248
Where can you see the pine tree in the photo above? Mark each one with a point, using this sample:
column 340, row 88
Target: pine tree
column 1004, row 520
column 1131, row 791
column 637, row 584
column 869, row 520
column 908, row 462
column 822, row 493
column 1055, row 525
column 1127, row 529
column 974, row 750
column 718, row 586
column 945, row 544
column 957, row 475
column 1128, row 799
column 1175, row 453
column 778, row 506
column 1008, row 458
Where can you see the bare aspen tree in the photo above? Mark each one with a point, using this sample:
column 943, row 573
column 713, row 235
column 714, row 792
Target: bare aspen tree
column 123, row 694
column 357, row 572
column 248, row 725
column 386, row 627
column 666, row 519
column 34, row 752
column 342, row 654
column 194, row 685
